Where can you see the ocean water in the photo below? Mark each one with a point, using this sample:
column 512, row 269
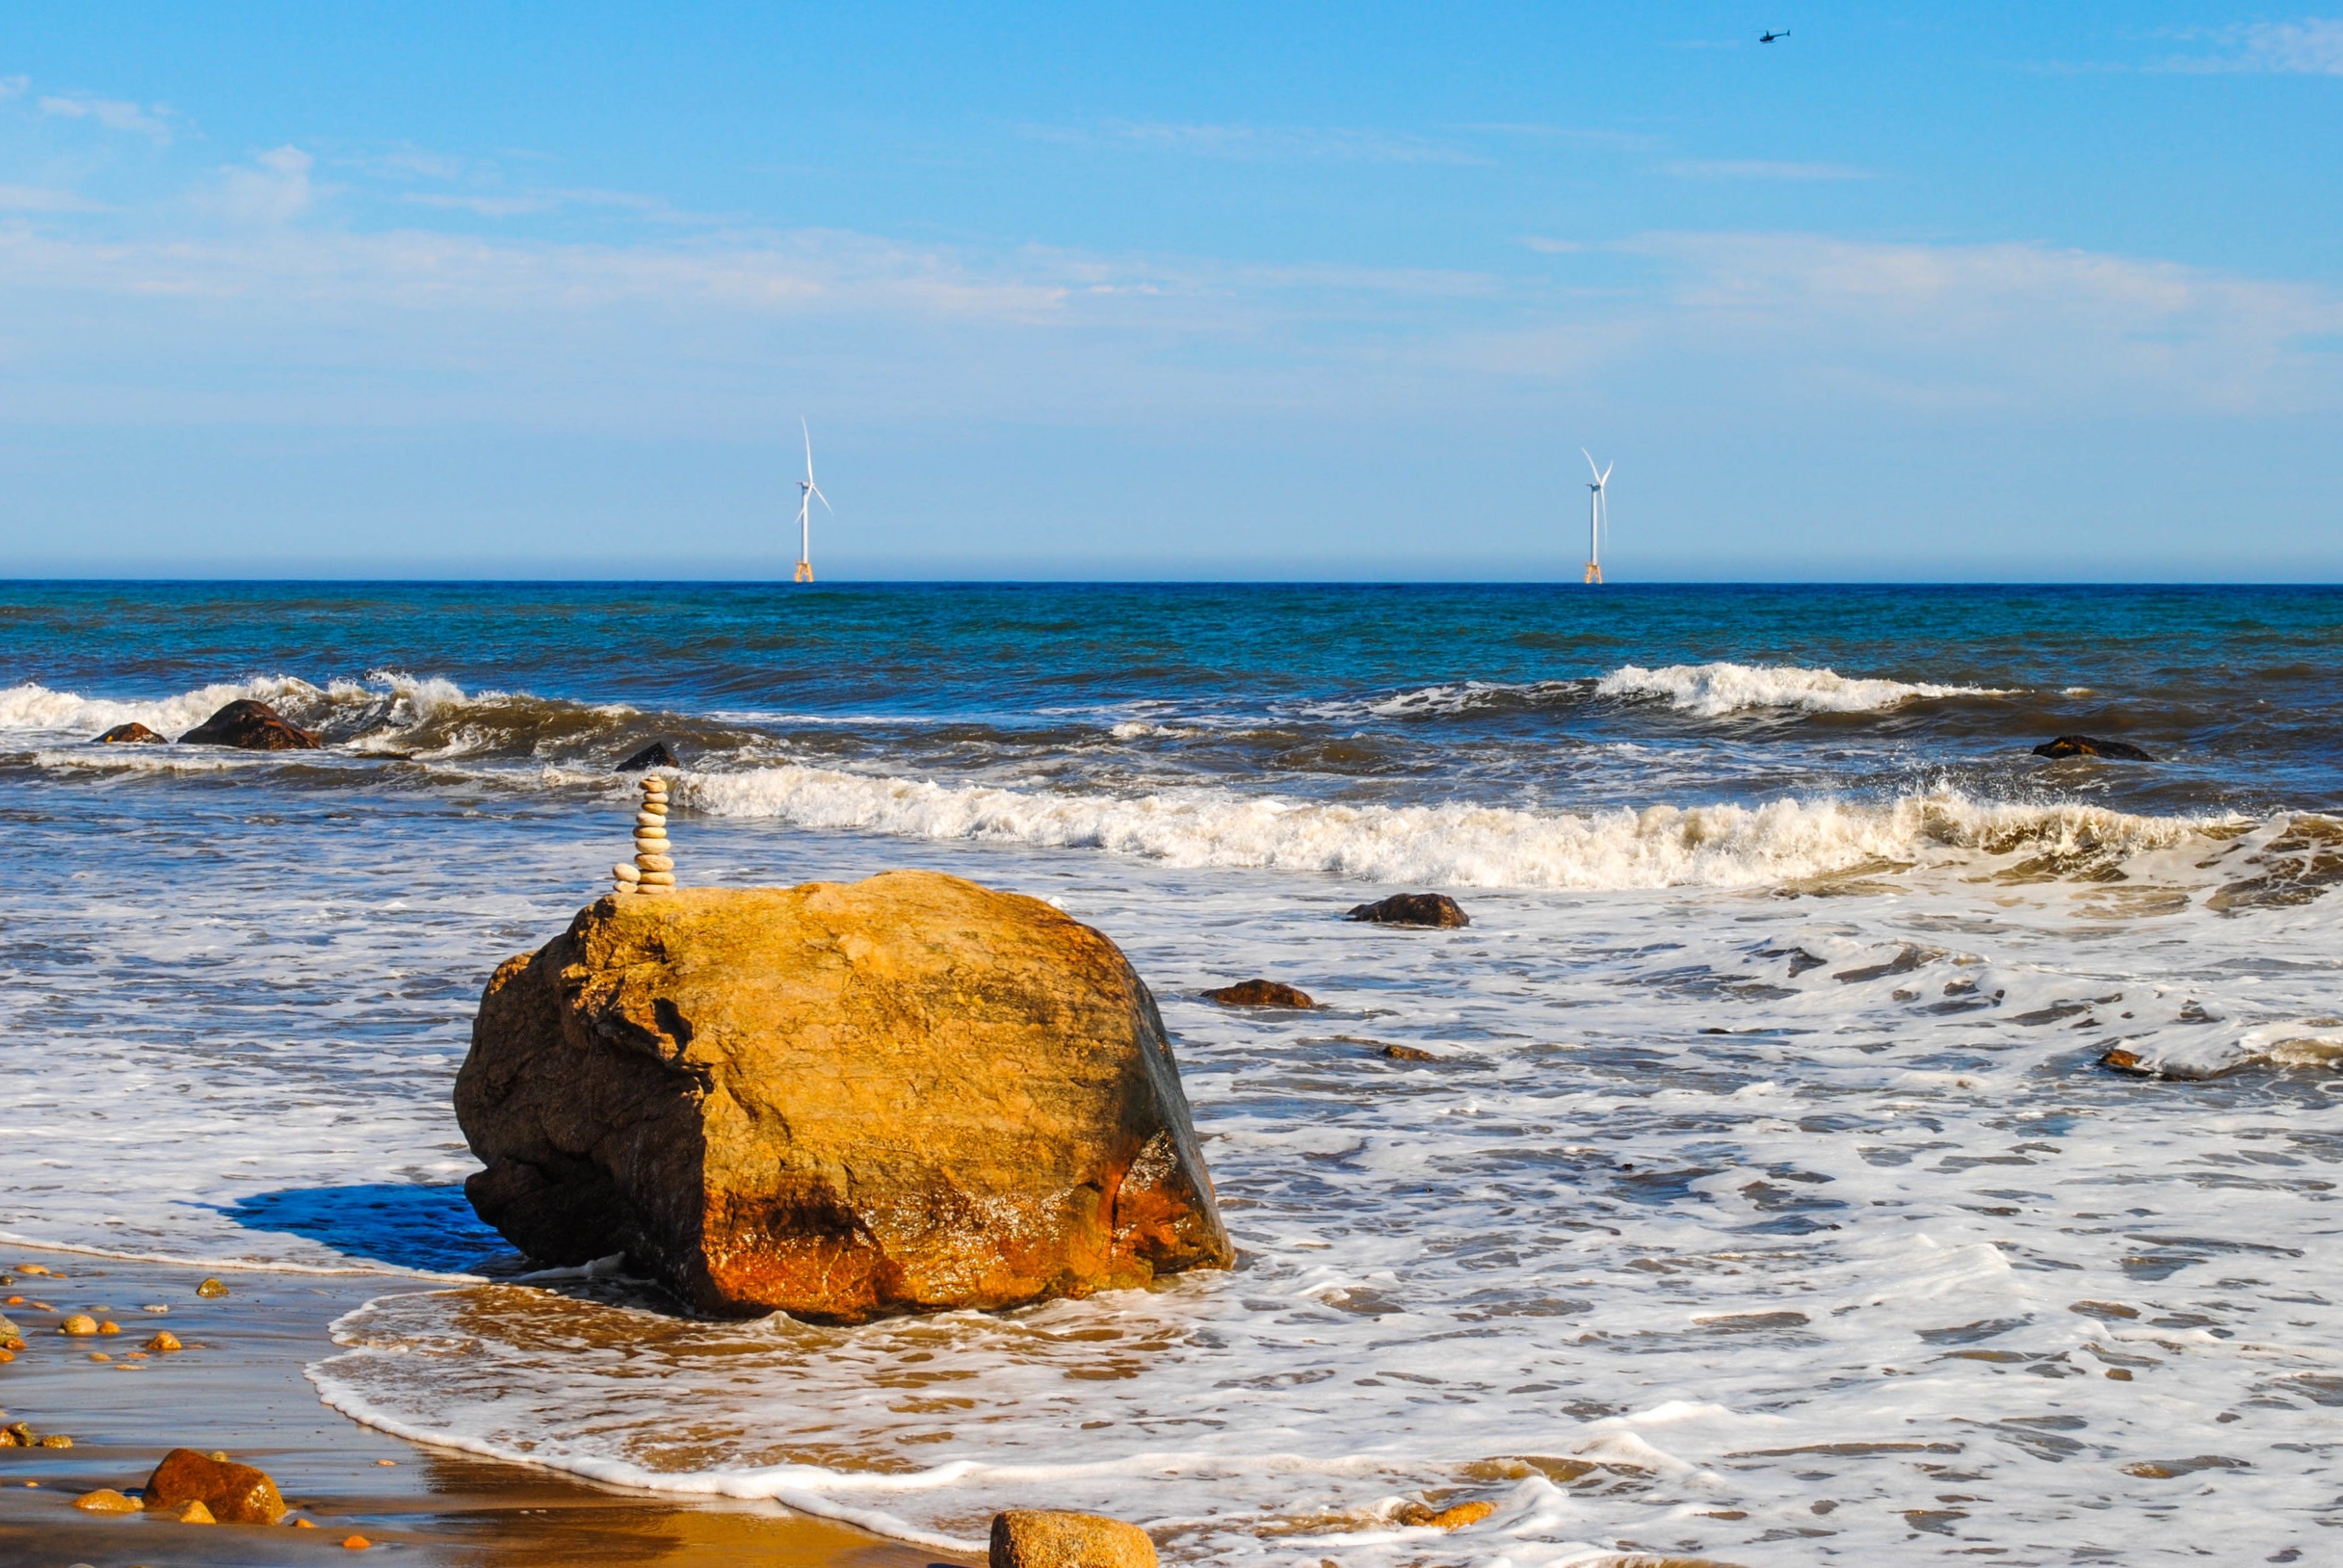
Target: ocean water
column 1766, row 1195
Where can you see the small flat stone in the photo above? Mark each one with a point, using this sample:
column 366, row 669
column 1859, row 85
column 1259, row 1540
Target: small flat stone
column 655, row 862
column 658, row 878
column 106, row 1500
column 624, row 874
column 645, row 818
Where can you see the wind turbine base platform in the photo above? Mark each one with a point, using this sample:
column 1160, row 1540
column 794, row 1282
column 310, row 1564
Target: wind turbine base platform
column 1594, row 571
column 804, row 571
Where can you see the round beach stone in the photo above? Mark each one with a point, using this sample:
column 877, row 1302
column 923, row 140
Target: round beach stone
column 645, row 818
column 106, row 1500
column 624, row 874
column 211, row 1289
column 655, row 862
column 78, row 1324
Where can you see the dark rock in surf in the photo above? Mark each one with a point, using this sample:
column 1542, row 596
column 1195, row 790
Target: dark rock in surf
column 131, row 734
column 1435, row 910
column 655, row 755
column 250, row 726
column 1406, row 1052
column 1259, row 993
column 2085, row 745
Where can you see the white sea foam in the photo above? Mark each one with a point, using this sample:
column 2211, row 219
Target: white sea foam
column 35, row 707
column 1714, row 689
column 1659, row 846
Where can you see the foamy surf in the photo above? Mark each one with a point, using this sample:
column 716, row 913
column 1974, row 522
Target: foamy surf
column 1711, row 691
column 1723, row 846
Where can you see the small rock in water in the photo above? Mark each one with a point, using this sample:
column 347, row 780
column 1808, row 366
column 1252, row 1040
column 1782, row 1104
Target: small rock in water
column 164, row 1343
column 106, row 1500
column 357, row 1543
column 99, row 1355
column 19, row 1435
column 2085, row 745
column 250, row 726
column 191, row 1512
column 80, row 1324
column 238, row 1494
column 1432, row 909
column 55, row 1440
column 211, row 1289
column 655, row 755
column 1031, row 1538
column 1259, row 993
column 33, row 1269
column 1408, row 1053
column 106, row 1325
column 1451, row 1517
column 131, row 734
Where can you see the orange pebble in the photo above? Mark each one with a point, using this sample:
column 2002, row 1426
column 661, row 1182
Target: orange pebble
column 357, row 1543
column 304, row 1524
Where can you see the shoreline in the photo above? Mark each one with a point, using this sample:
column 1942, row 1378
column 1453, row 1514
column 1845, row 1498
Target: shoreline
column 239, row 1387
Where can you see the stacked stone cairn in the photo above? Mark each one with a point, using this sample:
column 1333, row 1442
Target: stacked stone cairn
column 653, row 870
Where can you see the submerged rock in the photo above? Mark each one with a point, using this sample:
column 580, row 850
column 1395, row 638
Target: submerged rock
column 1455, row 1517
column 250, row 726
column 1433, row 909
column 1031, row 1538
column 905, row 1094
column 655, row 755
column 106, row 1500
column 2085, row 745
column 131, row 734
column 1259, row 993
column 233, row 1494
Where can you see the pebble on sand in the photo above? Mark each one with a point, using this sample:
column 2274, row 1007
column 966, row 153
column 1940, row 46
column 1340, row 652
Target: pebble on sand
column 191, row 1512
column 55, row 1440
column 1036, row 1538
column 357, row 1543
column 106, row 1500
column 78, row 1326
column 211, row 1289
column 106, row 1325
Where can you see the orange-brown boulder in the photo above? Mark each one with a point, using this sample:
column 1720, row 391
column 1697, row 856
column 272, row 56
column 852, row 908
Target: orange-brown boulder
column 905, row 1094
column 1035, row 1538
column 235, row 1494
column 1433, row 909
column 130, row 734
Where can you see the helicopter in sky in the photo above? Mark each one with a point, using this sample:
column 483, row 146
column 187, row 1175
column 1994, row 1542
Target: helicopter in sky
column 1769, row 36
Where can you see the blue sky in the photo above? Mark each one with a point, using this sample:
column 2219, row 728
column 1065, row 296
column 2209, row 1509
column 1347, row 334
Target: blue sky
column 1920, row 292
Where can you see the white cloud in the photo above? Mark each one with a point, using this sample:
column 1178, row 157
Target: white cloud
column 1758, row 169
column 2312, row 46
column 114, row 113
column 273, row 189
column 1260, row 142
column 40, row 198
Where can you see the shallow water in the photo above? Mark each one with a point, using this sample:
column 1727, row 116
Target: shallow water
column 1766, row 1197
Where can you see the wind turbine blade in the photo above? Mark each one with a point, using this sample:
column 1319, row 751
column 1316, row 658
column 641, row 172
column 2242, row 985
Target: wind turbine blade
column 808, row 430
column 1606, row 473
column 816, row 489
column 1590, row 457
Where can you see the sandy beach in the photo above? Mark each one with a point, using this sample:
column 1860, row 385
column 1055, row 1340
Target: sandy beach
column 238, row 1388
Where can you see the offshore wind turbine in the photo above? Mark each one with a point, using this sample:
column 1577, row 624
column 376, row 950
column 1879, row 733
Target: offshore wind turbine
column 807, row 489
column 1598, row 515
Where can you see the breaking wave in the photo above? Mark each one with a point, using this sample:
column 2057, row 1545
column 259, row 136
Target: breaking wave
column 1463, row 845
column 1712, row 691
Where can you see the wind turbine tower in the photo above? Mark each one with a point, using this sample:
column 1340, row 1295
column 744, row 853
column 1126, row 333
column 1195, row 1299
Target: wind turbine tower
column 807, row 489
column 1598, row 515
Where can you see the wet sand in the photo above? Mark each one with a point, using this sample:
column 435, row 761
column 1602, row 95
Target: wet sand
column 238, row 1388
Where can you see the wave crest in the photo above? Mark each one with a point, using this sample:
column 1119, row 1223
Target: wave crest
column 1714, row 689
column 1460, row 846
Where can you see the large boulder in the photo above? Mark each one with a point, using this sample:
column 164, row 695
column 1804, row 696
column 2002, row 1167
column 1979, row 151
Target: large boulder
column 837, row 1101
column 250, row 726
